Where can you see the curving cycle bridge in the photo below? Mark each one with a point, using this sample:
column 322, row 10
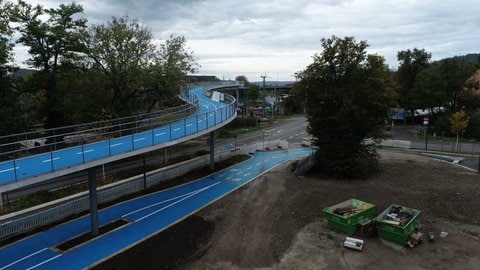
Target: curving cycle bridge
column 213, row 110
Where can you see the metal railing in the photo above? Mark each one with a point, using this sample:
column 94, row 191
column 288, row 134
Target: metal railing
column 103, row 132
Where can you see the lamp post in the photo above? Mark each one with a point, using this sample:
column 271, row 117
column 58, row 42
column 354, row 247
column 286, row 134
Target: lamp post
column 264, row 97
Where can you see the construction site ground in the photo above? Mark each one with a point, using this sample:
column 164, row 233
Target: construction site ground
column 276, row 222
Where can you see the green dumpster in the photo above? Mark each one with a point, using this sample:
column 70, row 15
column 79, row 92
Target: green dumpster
column 397, row 223
column 345, row 216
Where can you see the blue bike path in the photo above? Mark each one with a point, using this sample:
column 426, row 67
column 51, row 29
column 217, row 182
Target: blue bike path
column 209, row 114
column 146, row 216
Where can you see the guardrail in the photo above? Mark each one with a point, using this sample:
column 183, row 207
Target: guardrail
column 42, row 215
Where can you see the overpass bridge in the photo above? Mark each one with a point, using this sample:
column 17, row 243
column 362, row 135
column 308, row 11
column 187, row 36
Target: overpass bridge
column 71, row 152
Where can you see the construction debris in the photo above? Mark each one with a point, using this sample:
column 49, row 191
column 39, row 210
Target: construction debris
column 431, row 237
column 366, row 228
column 398, row 216
column 350, row 209
column 353, row 243
column 414, row 239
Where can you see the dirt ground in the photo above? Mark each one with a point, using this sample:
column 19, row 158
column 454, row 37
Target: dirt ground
column 276, row 222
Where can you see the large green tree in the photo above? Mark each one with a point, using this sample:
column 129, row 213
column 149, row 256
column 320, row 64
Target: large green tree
column 168, row 73
column 412, row 62
column 445, row 85
column 53, row 38
column 349, row 94
column 120, row 49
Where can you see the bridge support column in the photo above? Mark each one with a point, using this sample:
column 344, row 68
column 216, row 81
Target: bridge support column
column 92, row 189
column 212, row 150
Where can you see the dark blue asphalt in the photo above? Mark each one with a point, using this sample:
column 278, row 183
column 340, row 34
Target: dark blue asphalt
column 147, row 216
column 210, row 113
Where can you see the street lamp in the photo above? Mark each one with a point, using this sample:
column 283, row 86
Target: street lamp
column 264, row 97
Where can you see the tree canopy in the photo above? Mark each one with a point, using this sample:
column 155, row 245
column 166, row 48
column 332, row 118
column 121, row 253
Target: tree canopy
column 349, row 94
column 85, row 74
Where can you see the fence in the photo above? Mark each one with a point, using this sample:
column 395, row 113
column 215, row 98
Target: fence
column 43, row 215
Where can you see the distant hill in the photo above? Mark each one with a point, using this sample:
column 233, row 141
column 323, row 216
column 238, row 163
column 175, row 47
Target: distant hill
column 273, row 83
column 471, row 57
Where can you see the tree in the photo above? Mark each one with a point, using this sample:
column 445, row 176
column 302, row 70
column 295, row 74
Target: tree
column 349, row 97
column 53, row 37
column 5, row 33
column 412, row 62
column 444, row 85
column 459, row 122
column 168, row 73
column 253, row 92
column 243, row 79
column 12, row 118
column 120, row 49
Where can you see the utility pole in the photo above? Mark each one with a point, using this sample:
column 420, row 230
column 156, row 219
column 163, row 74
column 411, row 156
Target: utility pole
column 264, row 97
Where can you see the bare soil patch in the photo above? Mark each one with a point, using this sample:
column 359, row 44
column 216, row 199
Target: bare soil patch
column 276, row 222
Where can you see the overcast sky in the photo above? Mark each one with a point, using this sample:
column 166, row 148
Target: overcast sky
column 278, row 38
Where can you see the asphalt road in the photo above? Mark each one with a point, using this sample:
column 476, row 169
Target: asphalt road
column 468, row 153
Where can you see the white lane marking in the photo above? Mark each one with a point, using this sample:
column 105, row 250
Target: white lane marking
column 246, row 174
column 189, row 125
column 258, row 164
column 50, row 160
column 87, row 151
column 160, row 134
column 11, row 169
column 172, row 204
column 117, row 144
column 140, row 139
column 281, row 130
column 164, row 201
column 249, row 168
column 176, row 129
column 44, row 262
column 23, row 258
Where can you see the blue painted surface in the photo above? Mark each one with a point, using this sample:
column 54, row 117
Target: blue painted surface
column 210, row 113
column 148, row 215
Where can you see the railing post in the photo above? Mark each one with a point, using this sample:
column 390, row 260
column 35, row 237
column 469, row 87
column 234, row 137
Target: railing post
column 51, row 159
column 83, row 153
